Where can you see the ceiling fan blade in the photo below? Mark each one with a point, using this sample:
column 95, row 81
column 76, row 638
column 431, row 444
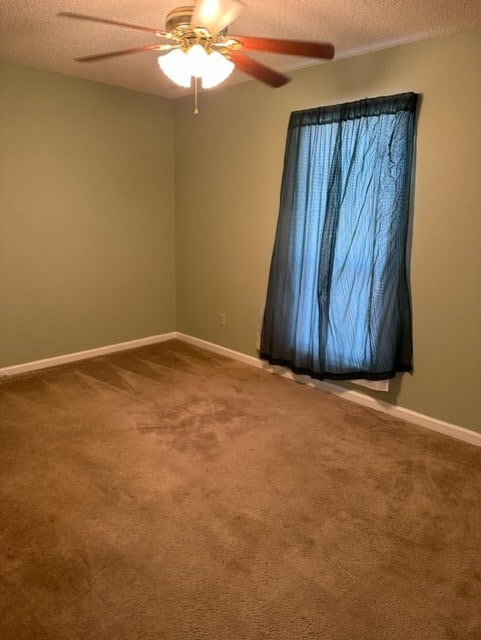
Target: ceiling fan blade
column 288, row 47
column 215, row 15
column 126, row 52
column 116, row 23
column 258, row 70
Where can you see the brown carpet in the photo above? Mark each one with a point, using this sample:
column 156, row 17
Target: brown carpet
column 169, row 493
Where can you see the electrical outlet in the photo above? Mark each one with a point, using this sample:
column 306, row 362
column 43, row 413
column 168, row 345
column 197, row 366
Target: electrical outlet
column 222, row 319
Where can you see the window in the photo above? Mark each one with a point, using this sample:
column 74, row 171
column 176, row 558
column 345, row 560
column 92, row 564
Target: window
column 338, row 299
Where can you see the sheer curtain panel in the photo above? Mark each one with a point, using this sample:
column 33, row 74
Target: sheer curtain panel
column 338, row 301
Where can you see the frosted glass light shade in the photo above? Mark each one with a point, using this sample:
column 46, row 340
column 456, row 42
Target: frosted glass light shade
column 216, row 69
column 176, row 66
column 213, row 68
column 197, row 60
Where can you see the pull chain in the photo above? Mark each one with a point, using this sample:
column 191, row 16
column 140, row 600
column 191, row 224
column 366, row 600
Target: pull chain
column 196, row 109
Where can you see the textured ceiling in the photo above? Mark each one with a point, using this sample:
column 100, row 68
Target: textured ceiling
column 31, row 34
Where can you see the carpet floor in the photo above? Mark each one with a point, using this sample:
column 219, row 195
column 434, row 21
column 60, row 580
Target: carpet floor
column 170, row 493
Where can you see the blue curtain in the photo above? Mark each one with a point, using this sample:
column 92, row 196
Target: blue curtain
column 338, row 301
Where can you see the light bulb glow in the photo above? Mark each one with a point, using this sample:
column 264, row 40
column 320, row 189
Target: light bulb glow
column 197, row 60
column 216, row 70
column 213, row 68
column 176, row 66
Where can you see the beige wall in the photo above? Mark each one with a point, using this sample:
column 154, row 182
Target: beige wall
column 86, row 215
column 228, row 175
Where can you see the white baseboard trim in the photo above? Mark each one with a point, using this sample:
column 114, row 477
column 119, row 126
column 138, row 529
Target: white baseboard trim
column 446, row 428
column 83, row 355
column 222, row 351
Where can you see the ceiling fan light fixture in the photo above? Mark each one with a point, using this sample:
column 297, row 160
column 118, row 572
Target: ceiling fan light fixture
column 180, row 66
column 199, row 46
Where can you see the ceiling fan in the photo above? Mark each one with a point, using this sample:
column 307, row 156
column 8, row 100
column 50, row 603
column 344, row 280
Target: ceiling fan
column 197, row 45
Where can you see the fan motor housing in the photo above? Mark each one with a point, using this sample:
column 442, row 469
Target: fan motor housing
column 181, row 16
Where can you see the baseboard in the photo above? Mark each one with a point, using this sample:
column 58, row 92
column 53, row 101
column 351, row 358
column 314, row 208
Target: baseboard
column 222, row 351
column 83, row 355
column 446, row 428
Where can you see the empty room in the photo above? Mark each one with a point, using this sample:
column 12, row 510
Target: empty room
column 240, row 315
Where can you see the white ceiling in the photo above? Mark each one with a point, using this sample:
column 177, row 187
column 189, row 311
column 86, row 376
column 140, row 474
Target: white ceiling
column 31, row 34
